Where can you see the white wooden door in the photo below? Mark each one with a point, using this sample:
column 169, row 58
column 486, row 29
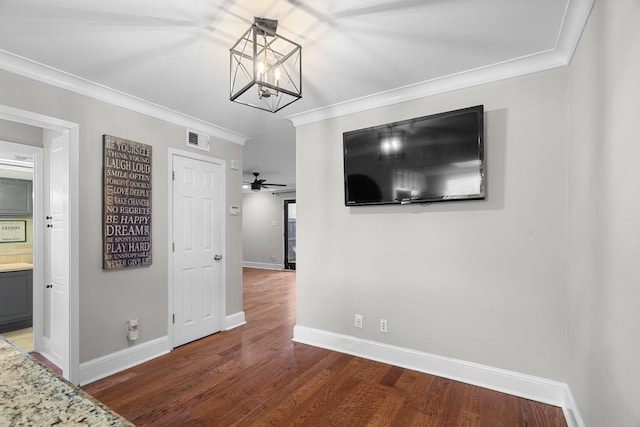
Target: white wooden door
column 197, row 255
column 55, row 342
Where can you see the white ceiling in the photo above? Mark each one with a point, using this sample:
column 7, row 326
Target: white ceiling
column 175, row 53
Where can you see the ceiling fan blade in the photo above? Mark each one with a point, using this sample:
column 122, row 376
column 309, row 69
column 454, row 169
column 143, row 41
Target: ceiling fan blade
column 268, row 184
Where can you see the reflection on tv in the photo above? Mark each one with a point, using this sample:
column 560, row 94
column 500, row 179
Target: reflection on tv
column 433, row 158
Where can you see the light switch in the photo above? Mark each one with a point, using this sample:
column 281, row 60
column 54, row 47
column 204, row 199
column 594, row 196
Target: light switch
column 234, row 210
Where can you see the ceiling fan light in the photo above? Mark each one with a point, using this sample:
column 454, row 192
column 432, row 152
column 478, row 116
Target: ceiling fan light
column 266, row 68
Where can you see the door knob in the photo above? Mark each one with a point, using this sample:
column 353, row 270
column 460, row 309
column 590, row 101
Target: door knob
column 49, row 286
column 217, row 257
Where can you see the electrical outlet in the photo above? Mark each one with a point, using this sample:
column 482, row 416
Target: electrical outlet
column 132, row 329
column 359, row 321
column 383, row 325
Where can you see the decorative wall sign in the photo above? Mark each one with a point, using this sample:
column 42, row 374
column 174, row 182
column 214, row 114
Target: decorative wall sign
column 13, row 231
column 126, row 203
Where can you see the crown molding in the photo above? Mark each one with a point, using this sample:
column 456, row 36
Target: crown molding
column 573, row 24
column 49, row 75
column 492, row 73
column 574, row 21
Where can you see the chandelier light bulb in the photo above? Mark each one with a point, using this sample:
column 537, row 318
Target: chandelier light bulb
column 260, row 70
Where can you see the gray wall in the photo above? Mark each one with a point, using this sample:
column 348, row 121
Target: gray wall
column 109, row 298
column 482, row 281
column 261, row 239
column 20, row 133
column 604, row 285
column 542, row 277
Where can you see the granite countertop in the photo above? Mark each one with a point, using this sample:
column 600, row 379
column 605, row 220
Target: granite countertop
column 32, row 395
column 15, row 266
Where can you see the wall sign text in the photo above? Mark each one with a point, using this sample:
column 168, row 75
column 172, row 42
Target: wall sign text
column 126, row 203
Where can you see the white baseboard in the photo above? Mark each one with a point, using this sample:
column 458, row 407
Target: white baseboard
column 234, row 320
column 571, row 411
column 263, row 265
column 113, row 363
column 514, row 383
column 110, row 364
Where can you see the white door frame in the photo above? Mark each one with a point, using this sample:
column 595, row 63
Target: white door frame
column 71, row 367
column 223, row 235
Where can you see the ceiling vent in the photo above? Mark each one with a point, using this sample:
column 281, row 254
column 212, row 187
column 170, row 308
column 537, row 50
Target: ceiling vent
column 198, row 140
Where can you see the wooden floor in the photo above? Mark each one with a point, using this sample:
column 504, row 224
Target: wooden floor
column 255, row 375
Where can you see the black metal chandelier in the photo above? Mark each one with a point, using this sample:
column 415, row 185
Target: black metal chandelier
column 266, row 68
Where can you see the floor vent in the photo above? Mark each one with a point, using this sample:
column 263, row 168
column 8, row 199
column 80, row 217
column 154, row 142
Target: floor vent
column 198, row 140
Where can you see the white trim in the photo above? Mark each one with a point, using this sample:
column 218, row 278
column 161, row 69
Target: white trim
column 38, row 247
column 263, row 265
column 170, row 247
column 49, row 75
column 223, row 232
column 34, row 119
column 514, row 383
column 574, row 22
column 110, row 364
column 234, row 320
column 71, row 366
column 113, row 363
column 571, row 411
column 489, row 74
column 74, row 253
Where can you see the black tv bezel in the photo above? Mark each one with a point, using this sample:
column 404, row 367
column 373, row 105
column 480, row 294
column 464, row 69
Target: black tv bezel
column 479, row 109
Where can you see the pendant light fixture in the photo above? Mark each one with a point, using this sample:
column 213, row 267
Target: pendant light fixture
column 266, row 68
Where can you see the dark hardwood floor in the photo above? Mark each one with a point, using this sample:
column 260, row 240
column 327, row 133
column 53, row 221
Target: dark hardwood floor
column 255, row 375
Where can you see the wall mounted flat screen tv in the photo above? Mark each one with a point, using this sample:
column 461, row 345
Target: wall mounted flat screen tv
column 427, row 159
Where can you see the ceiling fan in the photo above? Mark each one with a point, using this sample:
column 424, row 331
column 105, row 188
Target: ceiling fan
column 259, row 184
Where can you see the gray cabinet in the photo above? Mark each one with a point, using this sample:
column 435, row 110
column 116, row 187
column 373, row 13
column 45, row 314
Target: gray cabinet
column 16, row 300
column 16, row 197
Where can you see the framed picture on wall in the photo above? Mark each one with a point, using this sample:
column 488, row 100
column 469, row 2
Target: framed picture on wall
column 13, row 231
column 126, row 203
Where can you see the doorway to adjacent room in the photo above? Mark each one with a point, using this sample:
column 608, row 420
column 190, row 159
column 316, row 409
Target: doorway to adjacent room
column 55, row 255
column 290, row 234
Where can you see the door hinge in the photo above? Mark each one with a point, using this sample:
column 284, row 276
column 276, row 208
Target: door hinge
column 173, row 245
column 173, row 175
column 174, row 318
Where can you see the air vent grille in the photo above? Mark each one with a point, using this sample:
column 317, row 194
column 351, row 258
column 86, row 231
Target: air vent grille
column 198, row 140
column 193, row 138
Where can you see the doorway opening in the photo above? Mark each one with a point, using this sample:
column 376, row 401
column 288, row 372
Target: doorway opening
column 66, row 135
column 290, row 234
column 17, row 243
